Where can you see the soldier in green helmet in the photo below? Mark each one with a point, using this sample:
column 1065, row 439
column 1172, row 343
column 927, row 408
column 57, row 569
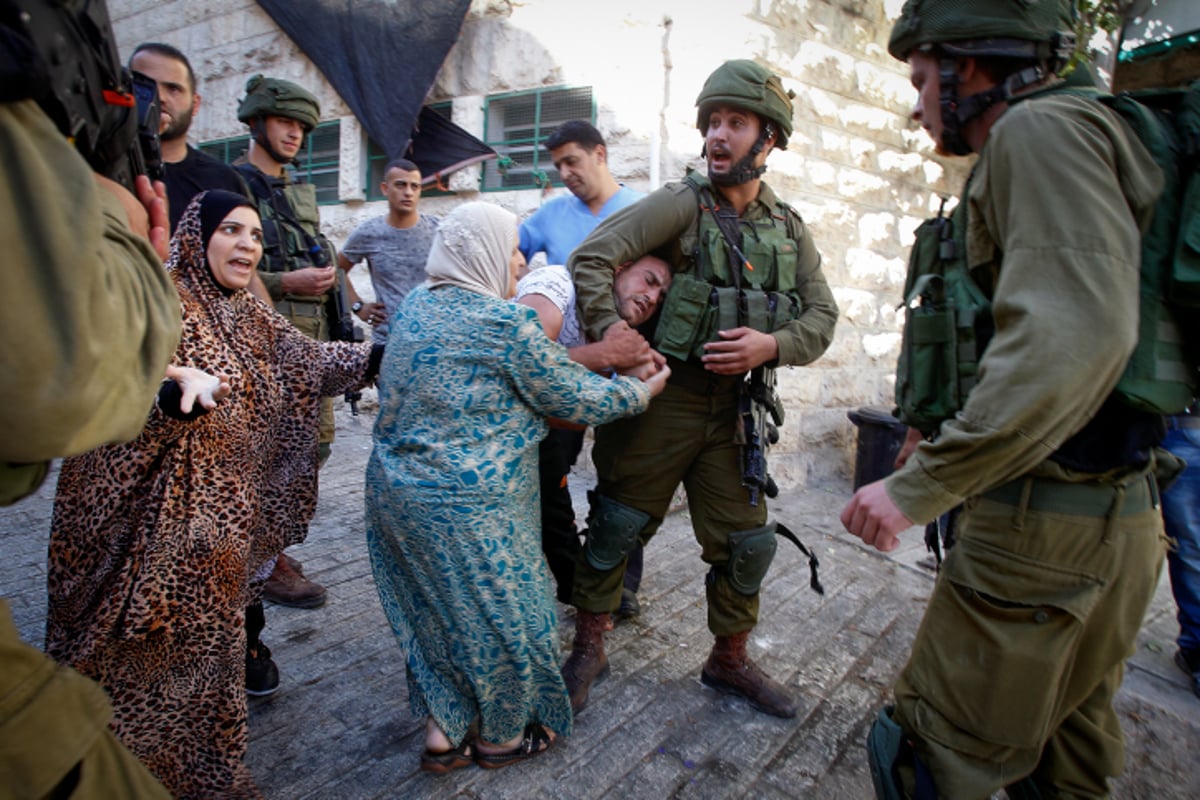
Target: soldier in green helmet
column 748, row 294
column 1012, row 674
column 298, row 268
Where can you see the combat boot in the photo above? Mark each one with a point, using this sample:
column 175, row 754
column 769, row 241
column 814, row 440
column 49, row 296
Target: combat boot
column 731, row 671
column 587, row 661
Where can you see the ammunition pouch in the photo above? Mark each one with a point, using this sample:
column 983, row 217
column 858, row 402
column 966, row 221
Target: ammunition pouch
column 694, row 310
column 750, row 555
column 612, row 531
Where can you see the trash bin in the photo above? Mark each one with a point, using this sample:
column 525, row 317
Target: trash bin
column 880, row 436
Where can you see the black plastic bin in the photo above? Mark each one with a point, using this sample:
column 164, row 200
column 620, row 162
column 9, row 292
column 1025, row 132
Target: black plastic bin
column 880, row 436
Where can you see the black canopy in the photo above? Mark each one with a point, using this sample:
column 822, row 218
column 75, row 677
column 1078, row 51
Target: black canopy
column 382, row 56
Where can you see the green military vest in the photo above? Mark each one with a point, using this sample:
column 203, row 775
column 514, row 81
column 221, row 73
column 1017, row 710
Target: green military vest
column 292, row 238
column 721, row 288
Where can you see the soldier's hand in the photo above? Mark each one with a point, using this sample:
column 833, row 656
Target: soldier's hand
column 146, row 213
column 627, row 349
column 739, row 351
column 309, row 281
column 373, row 313
column 873, row 517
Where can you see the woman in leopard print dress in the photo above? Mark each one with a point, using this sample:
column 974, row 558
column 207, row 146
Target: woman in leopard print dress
column 155, row 543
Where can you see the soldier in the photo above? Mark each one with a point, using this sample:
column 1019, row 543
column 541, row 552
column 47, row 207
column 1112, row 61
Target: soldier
column 298, row 270
column 1013, row 670
column 726, row 235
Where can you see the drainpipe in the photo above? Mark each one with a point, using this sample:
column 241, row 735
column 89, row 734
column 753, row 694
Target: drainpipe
column 659, row 134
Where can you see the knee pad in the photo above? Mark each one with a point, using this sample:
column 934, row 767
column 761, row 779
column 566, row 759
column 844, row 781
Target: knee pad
column 612, row 531
column 750, row 555
column 888, row 749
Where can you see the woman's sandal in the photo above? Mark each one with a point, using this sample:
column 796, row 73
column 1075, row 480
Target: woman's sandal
column 535, row 741
column 440, row 763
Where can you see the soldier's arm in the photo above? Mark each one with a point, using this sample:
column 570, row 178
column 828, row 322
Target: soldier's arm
column 94, row 318
column 638, row 229
column 802, row 341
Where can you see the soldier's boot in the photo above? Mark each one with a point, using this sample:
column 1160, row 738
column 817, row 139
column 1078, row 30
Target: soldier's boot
column 587, row 661
column 731, row 671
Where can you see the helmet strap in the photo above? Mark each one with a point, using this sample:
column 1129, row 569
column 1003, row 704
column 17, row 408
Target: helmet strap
column 956, row 113
column 744, row 170
column 258, row 131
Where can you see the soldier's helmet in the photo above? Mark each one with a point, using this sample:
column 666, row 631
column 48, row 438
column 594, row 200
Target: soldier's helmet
column 745, row 84
column 275, row 96
column 1034, row 29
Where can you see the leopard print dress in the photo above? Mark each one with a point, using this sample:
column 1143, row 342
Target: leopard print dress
column 154, row 543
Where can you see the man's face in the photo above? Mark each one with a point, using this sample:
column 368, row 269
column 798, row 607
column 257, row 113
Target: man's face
column 730, row 135
column 402, row 188
column 639, row 288
column 923, row 72
column 284, row 134
column 177, row 98
column 582, row 170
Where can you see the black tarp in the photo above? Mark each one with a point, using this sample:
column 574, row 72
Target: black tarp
column 439, row 147
column 382, row 56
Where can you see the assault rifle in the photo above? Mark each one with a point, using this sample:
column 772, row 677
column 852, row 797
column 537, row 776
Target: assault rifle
column 64, row 56
column 761, row 414
column 756, row 401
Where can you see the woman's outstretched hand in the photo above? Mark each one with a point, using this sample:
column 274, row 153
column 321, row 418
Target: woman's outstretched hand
column 196, row 384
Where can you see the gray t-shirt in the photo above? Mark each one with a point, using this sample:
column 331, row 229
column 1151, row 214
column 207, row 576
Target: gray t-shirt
column 395, row 258
column 554, row 283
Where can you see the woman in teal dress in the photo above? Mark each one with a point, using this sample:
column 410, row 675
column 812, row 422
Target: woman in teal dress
column 453, row 522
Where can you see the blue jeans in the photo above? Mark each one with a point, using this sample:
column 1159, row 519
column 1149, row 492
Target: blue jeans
column 1181, row 519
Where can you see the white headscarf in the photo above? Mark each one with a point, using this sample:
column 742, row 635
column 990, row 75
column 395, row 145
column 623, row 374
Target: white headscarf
column 472, row 249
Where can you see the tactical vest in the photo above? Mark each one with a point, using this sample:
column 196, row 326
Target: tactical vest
column 719, row 290
column 949, row 319
column 291, row 223
column 948, row 322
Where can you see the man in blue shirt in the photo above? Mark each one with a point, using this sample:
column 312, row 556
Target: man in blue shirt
column 581, row 158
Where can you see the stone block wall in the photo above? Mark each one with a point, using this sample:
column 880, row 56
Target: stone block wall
column 858, row 170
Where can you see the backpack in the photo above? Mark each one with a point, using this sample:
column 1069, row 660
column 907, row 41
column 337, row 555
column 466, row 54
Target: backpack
column 949, row 320
column 1161, row 375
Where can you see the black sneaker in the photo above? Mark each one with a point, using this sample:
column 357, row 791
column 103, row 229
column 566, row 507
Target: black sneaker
column 262, row 676
column 1190, row 663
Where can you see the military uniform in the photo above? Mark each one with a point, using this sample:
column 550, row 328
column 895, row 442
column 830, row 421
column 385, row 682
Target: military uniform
column 291, row 241
column 84, row 348
column 688, row 433
column 1020, row 653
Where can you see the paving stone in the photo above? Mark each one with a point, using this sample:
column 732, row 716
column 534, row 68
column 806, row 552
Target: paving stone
column 340, row 726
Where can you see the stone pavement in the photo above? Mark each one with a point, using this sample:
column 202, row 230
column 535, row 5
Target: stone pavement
column 340, row 726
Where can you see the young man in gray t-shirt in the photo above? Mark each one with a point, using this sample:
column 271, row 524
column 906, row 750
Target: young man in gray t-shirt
column 395, row 247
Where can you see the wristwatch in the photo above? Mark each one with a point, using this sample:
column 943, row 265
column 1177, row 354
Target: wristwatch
column 356, row 306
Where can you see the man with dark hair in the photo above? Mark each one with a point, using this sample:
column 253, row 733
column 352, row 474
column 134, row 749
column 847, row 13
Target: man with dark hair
column 1011, row 677
column 186, row 170
column 581, row 157
column 395, row 247
column 748, row 295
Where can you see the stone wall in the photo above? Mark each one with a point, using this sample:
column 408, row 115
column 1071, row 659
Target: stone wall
column 858, row 170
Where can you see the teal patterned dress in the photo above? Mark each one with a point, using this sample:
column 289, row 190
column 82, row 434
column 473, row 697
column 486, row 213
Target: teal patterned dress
column 453, row 522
